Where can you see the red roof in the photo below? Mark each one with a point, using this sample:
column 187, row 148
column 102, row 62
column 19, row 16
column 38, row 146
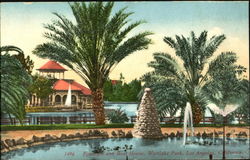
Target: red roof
column 64, row 85
column 52, row 65
column 114, row 82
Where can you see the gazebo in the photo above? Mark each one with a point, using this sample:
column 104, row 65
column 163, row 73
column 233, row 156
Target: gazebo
column 81, row 95
column 52, row 69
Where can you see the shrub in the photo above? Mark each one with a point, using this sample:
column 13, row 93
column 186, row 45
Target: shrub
column 117, row 116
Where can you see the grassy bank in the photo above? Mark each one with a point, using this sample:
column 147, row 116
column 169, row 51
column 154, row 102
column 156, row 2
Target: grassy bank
column 93, row 126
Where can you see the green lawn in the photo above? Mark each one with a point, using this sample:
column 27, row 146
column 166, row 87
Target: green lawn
column 93, row 126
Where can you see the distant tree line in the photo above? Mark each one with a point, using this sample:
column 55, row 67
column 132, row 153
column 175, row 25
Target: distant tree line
column 121, row 91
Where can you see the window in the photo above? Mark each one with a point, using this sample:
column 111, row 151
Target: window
column 73, row 98
column 58, row 99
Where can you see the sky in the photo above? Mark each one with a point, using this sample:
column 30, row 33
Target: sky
column 22, row 26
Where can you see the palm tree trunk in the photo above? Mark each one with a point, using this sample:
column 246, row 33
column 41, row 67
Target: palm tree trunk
column 11, row 120
column 213, row 115
column 197, row 113
column 98, row 106
column 181, row 116
column 21, row 122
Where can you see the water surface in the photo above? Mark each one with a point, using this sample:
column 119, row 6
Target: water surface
column 141, row 150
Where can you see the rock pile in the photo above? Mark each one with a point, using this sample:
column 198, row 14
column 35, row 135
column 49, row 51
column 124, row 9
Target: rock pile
column 147, row 123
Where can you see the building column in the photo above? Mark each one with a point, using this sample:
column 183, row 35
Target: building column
column 37, row 120
column 51, row 100
column 32, row 100
column 35, row 101
column 61, row 100
column 67, row 122
column 28, row 102
column 33, row 120
column 39, row 101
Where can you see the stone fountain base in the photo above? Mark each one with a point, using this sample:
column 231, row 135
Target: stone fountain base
column 147, row 123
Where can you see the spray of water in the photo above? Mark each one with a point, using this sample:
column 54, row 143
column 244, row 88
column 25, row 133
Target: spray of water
column 188, row 120
column 68, row 99
column 224, row 112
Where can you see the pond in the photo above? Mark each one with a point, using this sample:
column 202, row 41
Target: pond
column 142, row 149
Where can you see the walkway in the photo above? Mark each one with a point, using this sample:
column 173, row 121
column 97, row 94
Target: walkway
column 27, row 134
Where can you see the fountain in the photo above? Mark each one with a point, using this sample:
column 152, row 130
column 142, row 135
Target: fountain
column 224, row 112
column 68, row 99
column 188, row 120
column 147, row 122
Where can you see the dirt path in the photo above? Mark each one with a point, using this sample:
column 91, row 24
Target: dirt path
column 27, row 134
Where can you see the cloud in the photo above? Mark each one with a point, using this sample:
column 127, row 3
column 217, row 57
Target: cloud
column 215, row 31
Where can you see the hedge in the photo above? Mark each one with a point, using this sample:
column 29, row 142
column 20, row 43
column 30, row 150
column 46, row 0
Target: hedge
column 93, row 126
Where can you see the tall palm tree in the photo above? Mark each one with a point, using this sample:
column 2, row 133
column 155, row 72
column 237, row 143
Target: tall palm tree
column 14, row 83
column 92, row 46
column 190, row 78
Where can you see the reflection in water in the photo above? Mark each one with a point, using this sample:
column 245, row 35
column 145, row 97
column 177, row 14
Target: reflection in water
column 49, row 151
column 148, row 142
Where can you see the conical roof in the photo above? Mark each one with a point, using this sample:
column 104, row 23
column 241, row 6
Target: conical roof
column 52, row 66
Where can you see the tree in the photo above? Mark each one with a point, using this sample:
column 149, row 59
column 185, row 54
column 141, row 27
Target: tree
column 14, row 83
column 190, row 79
column 27, row 63
column 42, row 87
column 108, row 90
column 93, row 46
column 134, row 89
column 121, row 91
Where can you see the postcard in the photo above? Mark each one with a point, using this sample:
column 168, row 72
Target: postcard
column 125, row 80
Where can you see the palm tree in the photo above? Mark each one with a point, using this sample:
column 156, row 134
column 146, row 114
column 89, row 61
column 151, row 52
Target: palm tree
column 14, row 83
column 92, row 46
column 190, row 78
